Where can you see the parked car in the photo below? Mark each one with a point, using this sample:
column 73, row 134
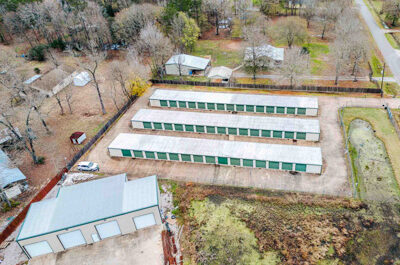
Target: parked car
column 88, row 166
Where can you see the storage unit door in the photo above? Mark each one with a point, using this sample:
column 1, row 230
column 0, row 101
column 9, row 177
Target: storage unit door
column 144, row 221
column 72, row 239
column 39, row 248
column 108, row 229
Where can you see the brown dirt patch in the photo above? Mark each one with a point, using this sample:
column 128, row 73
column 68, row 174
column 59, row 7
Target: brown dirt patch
column 210, row 34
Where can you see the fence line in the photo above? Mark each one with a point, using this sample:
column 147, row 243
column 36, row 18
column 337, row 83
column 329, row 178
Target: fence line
column 53, row 182
column 269, row 87
column 393, row 120
column 346, row 140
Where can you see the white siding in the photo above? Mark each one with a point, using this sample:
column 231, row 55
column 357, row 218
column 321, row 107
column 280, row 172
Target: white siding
column 72, row 239
column 312, row 137
column 137, row 124
column 312, row 112
column 314, row 169
column 155, row 103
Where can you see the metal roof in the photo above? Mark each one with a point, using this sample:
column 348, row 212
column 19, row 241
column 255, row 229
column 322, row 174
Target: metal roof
column 208, row 147
column 220, row 72
column 8, row 174
column 189, row 60
column 89, row 201
column 235, row 98
column 228, row 120
column 269, row 51
column 32, row 79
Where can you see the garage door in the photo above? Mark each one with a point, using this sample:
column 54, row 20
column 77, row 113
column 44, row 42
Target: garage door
column 37, row 249
column 72, row 239
column 144, row 221
column 108, row 229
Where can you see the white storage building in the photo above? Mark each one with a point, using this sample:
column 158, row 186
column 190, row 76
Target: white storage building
column 258, row 126
column 235, row 102
column 88, row 212
column 206, row 151
column 184, row 64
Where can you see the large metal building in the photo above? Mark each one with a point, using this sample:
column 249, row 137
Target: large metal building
column 89, row 212
column 235, row 102
column 206, row 151
column 258, row 126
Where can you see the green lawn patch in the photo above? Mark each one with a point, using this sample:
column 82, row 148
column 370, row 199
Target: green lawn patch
column 220, row 56
column 391, row 40
column 187, row 78
column 376, row 66
column 316, row 49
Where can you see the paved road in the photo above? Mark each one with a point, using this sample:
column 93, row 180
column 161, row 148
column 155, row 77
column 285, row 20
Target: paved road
column 391, row 57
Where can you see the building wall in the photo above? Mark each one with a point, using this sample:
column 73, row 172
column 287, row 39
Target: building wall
column 314, row 169
column 137, row 124
column 125, row 223
column 172, row 69
column 312, row 137
column 312, row 112
column 155, row 103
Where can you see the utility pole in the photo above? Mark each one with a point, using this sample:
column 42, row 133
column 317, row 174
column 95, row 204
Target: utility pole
column 383, row 76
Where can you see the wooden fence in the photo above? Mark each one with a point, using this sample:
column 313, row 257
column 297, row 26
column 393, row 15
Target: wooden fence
column 270, row 87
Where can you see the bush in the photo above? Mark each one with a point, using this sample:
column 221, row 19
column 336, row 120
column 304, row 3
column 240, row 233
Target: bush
column 37, row 53
column 41, row 160
column 36, row 70
column 58, row 44
column 6, row 208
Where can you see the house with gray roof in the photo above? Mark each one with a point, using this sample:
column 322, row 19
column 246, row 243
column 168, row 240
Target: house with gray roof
column 184, row 64
column 265, row 55
column 89, row 212
column 10, row 175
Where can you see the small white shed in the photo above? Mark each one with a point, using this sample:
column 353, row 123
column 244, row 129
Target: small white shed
column 82, row 79
column 220, row 73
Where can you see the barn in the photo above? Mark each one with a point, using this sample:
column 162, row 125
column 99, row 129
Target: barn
column 89, row 212
column 183, row 64
column 200, row 122
column 235, row 102
column 220, row 152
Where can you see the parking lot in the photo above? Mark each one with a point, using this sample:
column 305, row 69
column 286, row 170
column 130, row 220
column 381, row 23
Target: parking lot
column 333, row 180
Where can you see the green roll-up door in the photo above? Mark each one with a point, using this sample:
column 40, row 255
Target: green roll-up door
column 178, row 127
column 199, row 128
column 220, row 107
column 234, row 161
column 138, row 153
column 277, row 134
column 260, row 109
column 198, row 159
column 254, row 132
column 260, row 163
column 163, row 103
column 210, row 159
column 249, row 108
column 301, row 167
column 287, row 166
column 247, row 163
column 173, row 156
column 232, row 131
column 222, row 160
column 168, row 126
column 192, row 105
column 126, row 153
column 210, row 129
column 266, row 133
column 182, row 104
column 273, row 165
column 301, row 136
column 201, row 105
column 289, row 135
column 189, row 128
column 147, row 125
column 162, row 155
column 210, row 106
column 157, row 125
column 230, row 107
column 239, row 107
column 150, row 154
column 172, row 104
column 301, row 111
column 270, row 109
column 221, row 130
column 280, row 109
column 291, row 110
column 244, row 132
column 186, row 158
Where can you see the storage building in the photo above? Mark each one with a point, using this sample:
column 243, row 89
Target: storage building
column 235, row 102
column 88, row 212
column 184, row 64
column 200, row 122
column 207, row 151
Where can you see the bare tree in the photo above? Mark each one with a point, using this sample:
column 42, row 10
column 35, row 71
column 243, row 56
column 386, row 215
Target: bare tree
column 341, row 54
column 291, row 30
column 309, row 10
column 120, row 72
column 219, row 9
column 294, row 66
column 177, row 26
column 391, row 8
column 58, row 99
column 68, row 93
column 327, row 15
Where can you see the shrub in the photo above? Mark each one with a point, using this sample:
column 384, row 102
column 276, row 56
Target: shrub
column 41, row 160
column 37, row 53
column 58, row 44
column 6, row 208
column 36, row 70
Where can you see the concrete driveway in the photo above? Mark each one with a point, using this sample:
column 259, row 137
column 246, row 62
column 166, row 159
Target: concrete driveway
column 141, row 247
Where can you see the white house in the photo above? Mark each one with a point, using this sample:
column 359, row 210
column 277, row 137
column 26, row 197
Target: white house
column 220, row 73
column 183, row 64
column 266, row 53
column 89, row 212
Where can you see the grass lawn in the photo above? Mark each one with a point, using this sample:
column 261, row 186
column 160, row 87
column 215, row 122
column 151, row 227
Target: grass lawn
column 384, row 130
column 228, row 225
column 391, row 40
column 376, row 65
column 391, row 88
column 317, row 50
column 220, row 54
column 187, row 78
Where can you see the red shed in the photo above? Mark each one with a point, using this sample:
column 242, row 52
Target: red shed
column 77, row 137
